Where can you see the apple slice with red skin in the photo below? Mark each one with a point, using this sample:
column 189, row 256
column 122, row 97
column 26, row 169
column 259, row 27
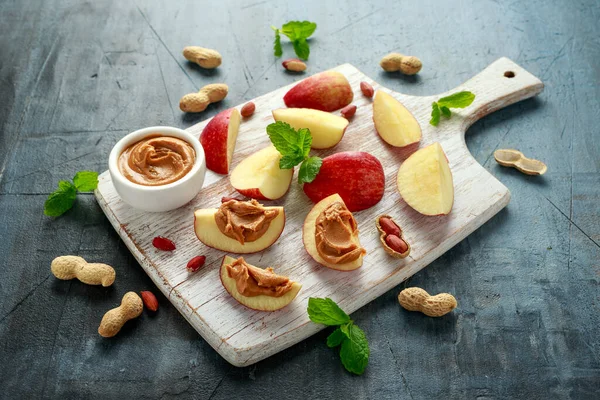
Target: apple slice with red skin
column 326, row 129
column 258, row 176
column 308, row 236
column 393, row 122
column 356, row 176
column 218, row 140
column 425, row 181
column 261, row 302
column 209, row 233
column 327, row 91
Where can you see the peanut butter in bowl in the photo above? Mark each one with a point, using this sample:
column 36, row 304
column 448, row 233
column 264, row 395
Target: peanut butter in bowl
column 157, row 160
column 157, row 169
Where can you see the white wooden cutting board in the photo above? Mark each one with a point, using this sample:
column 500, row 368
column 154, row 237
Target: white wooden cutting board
column 244, row 336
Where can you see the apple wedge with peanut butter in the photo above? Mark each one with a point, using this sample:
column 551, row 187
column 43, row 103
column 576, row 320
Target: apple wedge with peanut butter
column 257, row 288
column 239, row 226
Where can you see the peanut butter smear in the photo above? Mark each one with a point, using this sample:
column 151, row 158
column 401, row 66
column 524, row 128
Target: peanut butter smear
column 253, row 281
column 335, row 235
column 157, row 160
column 244, row 221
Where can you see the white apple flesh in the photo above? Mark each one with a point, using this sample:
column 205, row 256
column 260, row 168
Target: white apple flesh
column 258, row 176
column 393, row 122
column 425, row 181
column 326, row 129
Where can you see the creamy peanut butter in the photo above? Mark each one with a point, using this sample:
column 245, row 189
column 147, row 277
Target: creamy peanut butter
column 244, row 221
column 157, row 160
column 335, row 235
column 253, row 281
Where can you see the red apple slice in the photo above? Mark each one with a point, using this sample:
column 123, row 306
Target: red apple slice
column 218, row 140
column 326, row 129
column 308, row 236
column 208, row 233
column 425, row 181
column 260, row 303
column 259, row 177
column 393, row 122
column 356, row 176
column 327, row 91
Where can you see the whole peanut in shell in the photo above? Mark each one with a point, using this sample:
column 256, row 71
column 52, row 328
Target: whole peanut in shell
column 417, row 299
column 408, row 65
column 112, row 322
column 197, row 102
column 70, row 267
column 206, row 58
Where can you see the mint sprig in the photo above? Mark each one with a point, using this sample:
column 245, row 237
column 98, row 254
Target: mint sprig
column 63, row 198
column 294, row 146
column 443, row 105
column 354, row 352
column 297, row 32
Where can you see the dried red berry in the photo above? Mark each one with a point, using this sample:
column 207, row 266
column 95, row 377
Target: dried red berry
column 195, row 263
column 162, row 243
column 149, row 300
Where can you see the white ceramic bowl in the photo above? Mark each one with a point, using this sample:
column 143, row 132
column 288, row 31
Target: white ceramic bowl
column 164, row 197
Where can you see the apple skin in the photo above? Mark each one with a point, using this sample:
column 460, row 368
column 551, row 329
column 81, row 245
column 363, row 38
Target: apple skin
column 214, row 139
column 308, row 236
column 327, row 91
column 233, row 246
column 356, row 176
column 258, row 303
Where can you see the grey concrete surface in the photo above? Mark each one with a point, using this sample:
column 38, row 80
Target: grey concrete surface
column 75, row 76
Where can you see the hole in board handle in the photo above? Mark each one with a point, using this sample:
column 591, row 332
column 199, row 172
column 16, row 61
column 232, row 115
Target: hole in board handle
column 509, row 74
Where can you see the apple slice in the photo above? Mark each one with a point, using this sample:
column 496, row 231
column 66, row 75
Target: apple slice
column 394, row 123
column 218, row 140
column 261, row 302
column 308, row 236
column 209, row 233
column 326, row 129
column 356, row 176
column 425, row 181
column 258, row 176
column 327, row 91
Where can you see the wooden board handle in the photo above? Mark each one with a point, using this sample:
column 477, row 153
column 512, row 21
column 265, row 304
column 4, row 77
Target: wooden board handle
column 499, row 85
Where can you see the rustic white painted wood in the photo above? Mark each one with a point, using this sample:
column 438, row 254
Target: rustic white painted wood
column 243, row 336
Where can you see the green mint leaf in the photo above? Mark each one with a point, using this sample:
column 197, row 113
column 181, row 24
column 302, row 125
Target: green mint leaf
column 301, row 48
column 445, row 111
column 284, row 138
column 355, row 350
column 304, row 141
column 277, row 50
column 457, row 100
column 86, row 181
column 61, row 200
column 326, row 312
column 298, row 29
column 290, row 161
column 309, row 169
column 336, row 338
column 435, row 114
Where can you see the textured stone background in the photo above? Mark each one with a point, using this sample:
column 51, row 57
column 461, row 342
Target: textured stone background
column 75, row 76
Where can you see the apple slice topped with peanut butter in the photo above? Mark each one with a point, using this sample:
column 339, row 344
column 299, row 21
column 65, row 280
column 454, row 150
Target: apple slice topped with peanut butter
column 239, row 226
column 330, row 235
column 257, row 288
